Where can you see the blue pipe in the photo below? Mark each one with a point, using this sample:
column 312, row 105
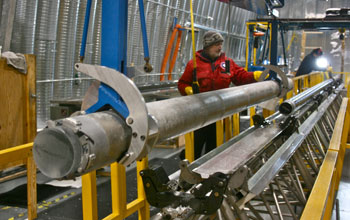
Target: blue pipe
column 143, row 27
column 86, row 27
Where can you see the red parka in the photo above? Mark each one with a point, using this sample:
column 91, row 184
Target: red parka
column 212, row 75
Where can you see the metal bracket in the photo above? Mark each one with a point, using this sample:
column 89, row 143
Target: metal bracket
column 260, row 121
column 289, row 125
column 281, row 74
column 188, row 175
column 204, row 198
column 137, row 119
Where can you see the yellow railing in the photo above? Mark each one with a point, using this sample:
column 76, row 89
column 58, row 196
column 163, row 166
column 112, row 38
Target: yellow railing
column 320, row 202
column 22, row 155
column 120, row 208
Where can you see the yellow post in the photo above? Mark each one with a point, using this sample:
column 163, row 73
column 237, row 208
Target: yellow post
column 267, row 113
column 235, row 124
column 338, row 140
column 189, row 146
column 89, row 196
column 306, row 83
column 219, row 133
column 118, row 189
column 320, row 78
column 144, row 212
column 344, row 138
column 228, row 129
column 251, row 113
column 317, row 201
column 330, row 200
column 31, row 188
column 296, row 86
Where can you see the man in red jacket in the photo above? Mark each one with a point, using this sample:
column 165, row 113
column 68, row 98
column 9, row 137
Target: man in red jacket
column 212, row 74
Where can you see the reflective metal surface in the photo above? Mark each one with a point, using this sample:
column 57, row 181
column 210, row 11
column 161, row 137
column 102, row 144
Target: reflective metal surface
column 138, row 115
column 151, row 122
column 272, row 167
column 192, row 112
column 76, row 145
column 258, row 182
column 239, row 153
column 289, row 105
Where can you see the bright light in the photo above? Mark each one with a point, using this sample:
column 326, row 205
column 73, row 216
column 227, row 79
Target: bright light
column 322, row 62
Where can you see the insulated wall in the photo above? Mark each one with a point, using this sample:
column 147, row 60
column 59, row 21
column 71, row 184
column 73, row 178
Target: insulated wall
column 52, row 30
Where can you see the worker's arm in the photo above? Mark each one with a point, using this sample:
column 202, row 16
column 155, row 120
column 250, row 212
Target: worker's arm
column 239, row 75
column 186, row 79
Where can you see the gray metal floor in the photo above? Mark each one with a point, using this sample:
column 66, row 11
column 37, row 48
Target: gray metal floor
column 343, row 194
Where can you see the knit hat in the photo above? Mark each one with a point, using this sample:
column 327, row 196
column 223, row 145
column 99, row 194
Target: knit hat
column 211, row 37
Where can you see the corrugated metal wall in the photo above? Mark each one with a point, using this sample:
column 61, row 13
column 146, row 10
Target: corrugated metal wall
column 208, row 15
column 52, row 30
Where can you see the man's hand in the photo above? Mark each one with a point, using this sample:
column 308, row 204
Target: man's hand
column 189, row 90
column 257, row 75
column 329, row 69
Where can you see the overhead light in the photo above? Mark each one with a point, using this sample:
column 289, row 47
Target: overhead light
column 322, row 62
column 275, row 12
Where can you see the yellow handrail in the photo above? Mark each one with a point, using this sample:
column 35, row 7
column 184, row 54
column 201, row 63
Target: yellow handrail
column 22, row 155
column 120, row 208
column 320, row 202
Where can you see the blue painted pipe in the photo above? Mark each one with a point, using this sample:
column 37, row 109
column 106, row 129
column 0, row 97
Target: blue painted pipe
column 86, row 27
column 143, row 27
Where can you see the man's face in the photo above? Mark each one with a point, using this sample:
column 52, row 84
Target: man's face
column 214, row 50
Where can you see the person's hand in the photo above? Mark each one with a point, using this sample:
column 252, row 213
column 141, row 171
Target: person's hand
column 329, row 69
column 189, row 90
column 257, row 75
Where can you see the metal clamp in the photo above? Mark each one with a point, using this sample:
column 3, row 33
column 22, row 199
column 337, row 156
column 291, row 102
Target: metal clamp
column 281, row 74
column 137, row 119
column 204, row 198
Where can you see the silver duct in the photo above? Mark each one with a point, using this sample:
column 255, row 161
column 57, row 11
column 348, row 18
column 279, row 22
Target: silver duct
column 77, row 84
column 23, row 33
column 45, row 51
column 66, row 38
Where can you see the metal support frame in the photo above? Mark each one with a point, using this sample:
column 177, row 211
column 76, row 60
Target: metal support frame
column 17, row 156
column 114, row 34
column 281, row 176
column 113, row 55
column 320, row 203
column 274, row 42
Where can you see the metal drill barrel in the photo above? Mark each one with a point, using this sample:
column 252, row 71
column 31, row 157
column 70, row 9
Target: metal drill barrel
column 76, row 145
column 183, row 114
column 289, row 105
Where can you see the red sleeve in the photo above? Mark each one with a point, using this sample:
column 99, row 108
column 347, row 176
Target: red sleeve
column 239, row 75
column 186, row 78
